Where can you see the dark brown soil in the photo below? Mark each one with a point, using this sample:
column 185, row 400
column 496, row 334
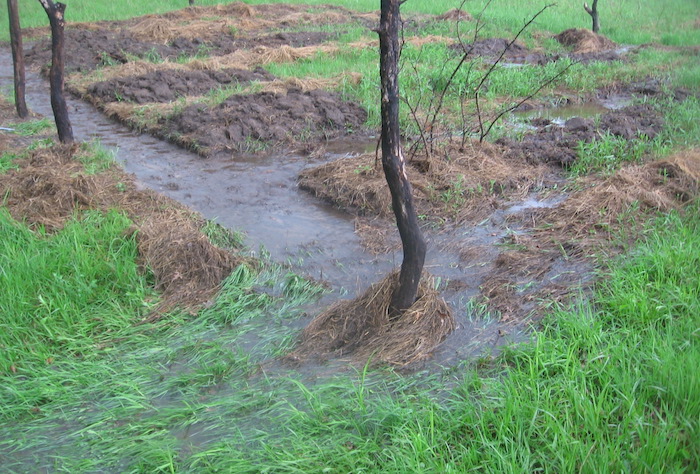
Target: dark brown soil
column 558, row 145
column 294, row 113
column 585, row 49
column 92, row 48
column 168, row 84
column 266, row 117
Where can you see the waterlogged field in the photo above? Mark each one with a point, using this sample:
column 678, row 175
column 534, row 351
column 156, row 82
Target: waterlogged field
column 137, row 337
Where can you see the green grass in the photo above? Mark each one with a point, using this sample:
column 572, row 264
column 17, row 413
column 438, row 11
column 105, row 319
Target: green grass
column 95, row 158
column 7, row 161
column 607, row 153
column 31, row 127
column 624, row 21
column 66, row 292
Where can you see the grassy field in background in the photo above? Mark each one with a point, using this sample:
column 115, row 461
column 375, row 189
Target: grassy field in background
column 623, row 21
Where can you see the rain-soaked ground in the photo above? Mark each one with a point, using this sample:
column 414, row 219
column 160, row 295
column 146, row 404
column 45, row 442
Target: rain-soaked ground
column 259, row 196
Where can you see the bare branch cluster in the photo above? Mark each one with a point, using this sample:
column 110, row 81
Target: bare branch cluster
column 426, row 110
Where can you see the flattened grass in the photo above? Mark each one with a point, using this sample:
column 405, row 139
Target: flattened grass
column 607, row 384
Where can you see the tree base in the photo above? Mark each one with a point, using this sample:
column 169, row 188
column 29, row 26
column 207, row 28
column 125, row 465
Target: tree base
column 361, row 328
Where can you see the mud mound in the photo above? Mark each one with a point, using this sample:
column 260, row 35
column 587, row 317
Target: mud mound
column 456, row 186
column 519, row 54
column 493, row 47
column 454, row 14
column 558, row 145
column 361, row 328
column 266, row 117
column 51, row 185
column 584, row 41
column 633, row 122
column 166, row 85
column 92, row 48
column 594, row 212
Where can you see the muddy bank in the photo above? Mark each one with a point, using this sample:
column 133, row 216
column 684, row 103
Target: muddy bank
column 585, row 47
column 540, row 235
column 259, row 195
column 169, row 84
column 193, row 32
column 91, row 49
column 240, row 121
column 559, row 145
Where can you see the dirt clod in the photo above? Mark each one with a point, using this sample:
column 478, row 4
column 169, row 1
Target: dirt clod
column 241, row 121
column 167, row 85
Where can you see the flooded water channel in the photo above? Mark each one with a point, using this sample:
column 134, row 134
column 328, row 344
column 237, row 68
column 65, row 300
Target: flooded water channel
column 258, row 195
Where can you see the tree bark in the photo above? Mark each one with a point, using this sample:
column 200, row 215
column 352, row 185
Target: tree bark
column 593, row 11
column 191, row 2
column 55, row 12
column 393, row 161
column 17, row 58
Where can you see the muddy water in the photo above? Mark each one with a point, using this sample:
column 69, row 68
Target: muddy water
column 259, row 196
column 559, row 115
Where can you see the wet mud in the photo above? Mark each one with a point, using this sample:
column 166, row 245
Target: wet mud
column 585, row 47
column 94, row 48
column 288, row 115
column 170, row 84
column 559, row 145
column 266, row 117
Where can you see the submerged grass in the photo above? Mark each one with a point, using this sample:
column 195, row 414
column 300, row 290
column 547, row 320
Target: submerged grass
column 605, row 384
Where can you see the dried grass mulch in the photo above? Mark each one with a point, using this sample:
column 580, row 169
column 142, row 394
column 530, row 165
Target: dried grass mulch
column 584, row 41
column 456, row 186
column 596, row 212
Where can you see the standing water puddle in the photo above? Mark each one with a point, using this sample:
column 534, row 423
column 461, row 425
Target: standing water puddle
column 559, row 115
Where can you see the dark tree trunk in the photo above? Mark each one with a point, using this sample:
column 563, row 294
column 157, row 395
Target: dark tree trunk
column 393, row 162
column 191, row 2
column 55, row 12
column 17, row 58
column 593, row 11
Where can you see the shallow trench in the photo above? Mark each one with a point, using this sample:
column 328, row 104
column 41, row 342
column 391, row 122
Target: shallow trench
column 259, row 196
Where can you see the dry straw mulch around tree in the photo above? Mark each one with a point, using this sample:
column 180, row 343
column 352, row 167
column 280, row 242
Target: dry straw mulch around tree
column 583, row 41
column 362, row 330
column 548, row 257
column 458, row 185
